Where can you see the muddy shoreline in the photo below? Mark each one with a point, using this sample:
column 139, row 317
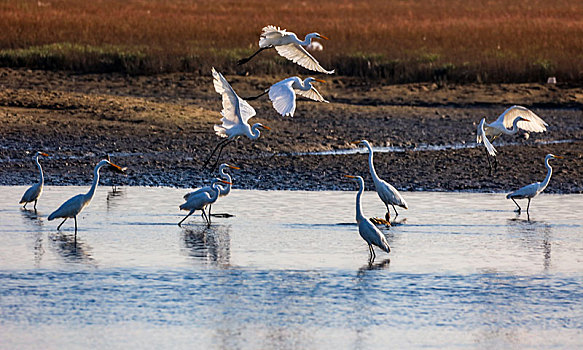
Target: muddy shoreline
column 160, row 127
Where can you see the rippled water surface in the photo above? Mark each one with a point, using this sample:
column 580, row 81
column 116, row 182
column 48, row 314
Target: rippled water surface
column 289, row 270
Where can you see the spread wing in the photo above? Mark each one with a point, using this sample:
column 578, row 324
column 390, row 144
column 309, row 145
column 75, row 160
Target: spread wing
column 534, row 123
column 312, row 94
column 481, row 136
column 235, row 111
column 283, row 97
column 271, row 34
column 297, row 54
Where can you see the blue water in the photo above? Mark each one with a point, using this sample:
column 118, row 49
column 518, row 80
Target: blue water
column 290, row 271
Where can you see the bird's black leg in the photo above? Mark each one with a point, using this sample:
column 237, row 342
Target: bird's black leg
column 61, row 224
column 25, row 203
column 187, row 215
column 75, row 217
column 221, row 151
column 528, row 206
column 213, row 152
column 35, row 204
column 256, row 97
column 517, row 210
column 245, row 60
column 495, row 164
column 206, row 218
column 388, row 214
column 396, row 214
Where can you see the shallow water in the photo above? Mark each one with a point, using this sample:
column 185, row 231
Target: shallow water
column 290, row 271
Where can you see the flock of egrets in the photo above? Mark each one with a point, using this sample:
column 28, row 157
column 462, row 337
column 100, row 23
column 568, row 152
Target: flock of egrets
column 237, row 112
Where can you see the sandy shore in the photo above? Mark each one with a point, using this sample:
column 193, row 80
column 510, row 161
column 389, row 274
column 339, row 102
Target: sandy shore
column 160, row 127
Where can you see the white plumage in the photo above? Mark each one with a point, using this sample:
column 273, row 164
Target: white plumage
column 223, row 190
column 201, row 200
column 387, row 193
column 283, row 94
column 72, row 207
column 532, row 190
column 32, row 194
column 368, row 231
column 515, row 118
column 289, row 46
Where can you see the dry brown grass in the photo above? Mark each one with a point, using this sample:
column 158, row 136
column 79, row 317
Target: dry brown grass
column 498, row 40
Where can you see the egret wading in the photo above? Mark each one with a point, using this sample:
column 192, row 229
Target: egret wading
column 223, row 190
column 283, row 94
column 516, row 118
column 387, row 193
column 200, row 200
column 236, row 114
column 368, row 231
column 289, row 46
column 532, row 190
column 72, row 207
column 32, row 194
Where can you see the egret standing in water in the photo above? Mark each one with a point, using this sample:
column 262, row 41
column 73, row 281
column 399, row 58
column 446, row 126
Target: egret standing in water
column 33, row 193
column 223, row 190
column 387, row 193
column 236, row 114
column 515, row 117
column 72, row 207
column 532, row 190
column 289, row 46
column 200, row 200
column 283, row 94
column 368, row 231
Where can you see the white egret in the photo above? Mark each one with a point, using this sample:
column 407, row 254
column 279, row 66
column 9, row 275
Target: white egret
column 236, row 114
column 368, row 231
column 283, row 94
column 289, row 46
column 223, row 190
column 387, row 193
column 532, row 190
column 72, row 207
column 200, row 200
column 32, row 194
column 515, row 117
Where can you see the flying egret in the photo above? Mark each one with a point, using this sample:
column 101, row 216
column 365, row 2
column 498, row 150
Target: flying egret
column 223, row 190
column 283, row 94
column 72, row 207
column 236, row 114
column 33, row 193
column 368, row 231
column 387, row 193
column 289, row 46
column 532, row 190
column 200, row 200
column 515, row 117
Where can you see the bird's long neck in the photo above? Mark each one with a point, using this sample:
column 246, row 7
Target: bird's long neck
column 373, row 172
column 514, row 129
column 307, row 40
column 545, row 182
column 215, row 188
column 40, row 171
column 91, row 192
column 305, row 85
column 359, row 215
column 226, row 177
column 254, row 132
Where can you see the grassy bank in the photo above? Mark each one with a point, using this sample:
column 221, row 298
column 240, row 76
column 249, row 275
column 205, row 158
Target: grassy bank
column 398, row 41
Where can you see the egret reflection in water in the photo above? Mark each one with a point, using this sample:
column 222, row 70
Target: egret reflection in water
column 71, row 249
column 533, row 235
column 208, row 243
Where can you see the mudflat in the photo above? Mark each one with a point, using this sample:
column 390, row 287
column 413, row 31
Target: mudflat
column 161, row 128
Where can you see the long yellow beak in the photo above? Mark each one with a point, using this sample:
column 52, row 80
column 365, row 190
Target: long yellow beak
column 226, row 182
column 320, row 80
column 350, row 176
column 233, row 167
column 323, row 37
column 559, row 157
column 117, row 167
column 356, row 142
column 266, row 127
column 44, row 154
